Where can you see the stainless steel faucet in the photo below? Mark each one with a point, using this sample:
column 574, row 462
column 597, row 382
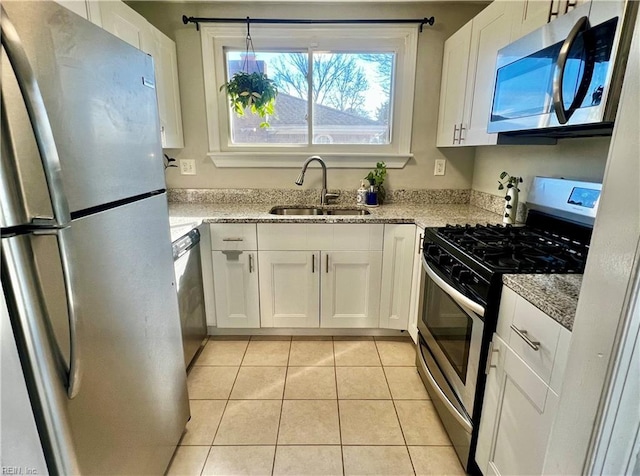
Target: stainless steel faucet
column 324, row 195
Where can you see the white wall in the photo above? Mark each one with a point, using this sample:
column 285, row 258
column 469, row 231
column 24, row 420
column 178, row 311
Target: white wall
column 418, row 173
column 582, row 159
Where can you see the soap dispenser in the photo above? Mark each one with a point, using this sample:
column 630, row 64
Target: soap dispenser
column 361, row 197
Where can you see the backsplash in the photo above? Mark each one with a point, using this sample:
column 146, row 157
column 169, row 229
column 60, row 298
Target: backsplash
column 309, row 196
column 495, row 203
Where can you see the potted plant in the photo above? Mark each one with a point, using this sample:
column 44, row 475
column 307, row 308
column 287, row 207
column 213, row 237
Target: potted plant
column 509, row 182
column 252, row 90
column 376, row 179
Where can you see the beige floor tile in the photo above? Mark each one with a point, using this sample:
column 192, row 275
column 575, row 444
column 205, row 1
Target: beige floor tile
column 369, row 422
column 352, row 338
column 240, row 460
column 271, row 338
column 420, row 423
column 315, row 383
column 356, row 353
column 435, row 460
column 267, row 353
column 307, row 353
column 400, row 353
column 309, row 422
column 377, row 460
column 361, row 383
column 259, row 383
column 188, row 461
column 205, row 417
column 211, row 383
column 405, row 383
column 307, row 338
column 308, row 461
column 222, row 352
column 249, row 422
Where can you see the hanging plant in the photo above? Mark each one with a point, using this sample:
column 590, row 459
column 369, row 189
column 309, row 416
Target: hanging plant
column 252, row 90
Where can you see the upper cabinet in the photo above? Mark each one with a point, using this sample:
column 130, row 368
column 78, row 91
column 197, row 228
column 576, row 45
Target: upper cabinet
column 529, row 15
column 468, row 75
column 128, row 25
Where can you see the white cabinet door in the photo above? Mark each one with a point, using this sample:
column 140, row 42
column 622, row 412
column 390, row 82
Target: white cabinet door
column 289, row 288
column 517, row 415
column 127, row 24
column 491, row 31
column 528, row 15
column 169, row 110
column 397, row 272
column 235, row 281
column 453, row 86
column 350, row 289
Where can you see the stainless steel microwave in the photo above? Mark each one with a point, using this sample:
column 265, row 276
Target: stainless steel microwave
column 564, row 79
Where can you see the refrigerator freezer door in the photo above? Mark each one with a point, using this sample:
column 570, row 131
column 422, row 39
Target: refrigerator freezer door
column 100, row 97
column 20, row 446
column 131, row 407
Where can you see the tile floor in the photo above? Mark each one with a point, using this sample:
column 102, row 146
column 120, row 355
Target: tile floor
column 311, row 406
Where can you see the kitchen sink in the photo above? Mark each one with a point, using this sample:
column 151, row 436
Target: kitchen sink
column 317, row 211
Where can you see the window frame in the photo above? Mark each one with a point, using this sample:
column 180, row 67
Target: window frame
column 402, row 40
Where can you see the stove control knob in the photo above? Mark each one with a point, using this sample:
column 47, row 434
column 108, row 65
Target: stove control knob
column 455, row 270
column 444, row 259
column 431, row 249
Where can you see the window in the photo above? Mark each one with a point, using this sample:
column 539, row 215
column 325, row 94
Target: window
column 345, row 93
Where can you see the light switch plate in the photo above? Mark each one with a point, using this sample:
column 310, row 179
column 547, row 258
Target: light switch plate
column 187, row 166
column 439, row 167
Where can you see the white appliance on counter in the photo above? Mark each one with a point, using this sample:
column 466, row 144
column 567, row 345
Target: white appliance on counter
column 94, row 379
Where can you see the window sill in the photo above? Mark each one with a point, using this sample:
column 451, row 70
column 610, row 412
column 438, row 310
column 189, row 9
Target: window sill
column 289, row 159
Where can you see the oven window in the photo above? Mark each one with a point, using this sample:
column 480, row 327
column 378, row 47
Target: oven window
column 450, row 326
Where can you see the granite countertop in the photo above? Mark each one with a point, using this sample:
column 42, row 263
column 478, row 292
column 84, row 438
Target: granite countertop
column 554, row 294
column 428, row 215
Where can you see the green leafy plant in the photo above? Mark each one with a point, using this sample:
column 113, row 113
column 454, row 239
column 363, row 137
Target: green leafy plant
column 252, row 90
column 376, row 178
column 508, row 181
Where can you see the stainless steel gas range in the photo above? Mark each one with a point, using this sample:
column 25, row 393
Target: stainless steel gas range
column 463, row 268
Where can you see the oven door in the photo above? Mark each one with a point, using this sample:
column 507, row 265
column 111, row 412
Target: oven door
column 451, row 325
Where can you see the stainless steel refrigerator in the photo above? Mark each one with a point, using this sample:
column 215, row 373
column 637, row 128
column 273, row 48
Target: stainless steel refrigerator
column 93, row 376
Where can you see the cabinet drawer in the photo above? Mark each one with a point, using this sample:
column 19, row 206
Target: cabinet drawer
column 233, row 236
column 530, row 323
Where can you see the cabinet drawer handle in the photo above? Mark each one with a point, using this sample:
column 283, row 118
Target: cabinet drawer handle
column 313, row 263
column 460, row 138
column 455, row 130
column 535, row 345
column 327, row 263
column 490, row 365
column 232, row 239
column 420, row 244
column 251, row 263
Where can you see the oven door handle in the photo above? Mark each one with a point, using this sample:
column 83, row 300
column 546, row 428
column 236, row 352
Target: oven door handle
column 453, row 292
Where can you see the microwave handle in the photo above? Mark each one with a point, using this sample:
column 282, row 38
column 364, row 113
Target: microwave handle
column 563, row 115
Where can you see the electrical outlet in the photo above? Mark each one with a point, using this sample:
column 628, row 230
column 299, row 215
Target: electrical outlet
column 440, row 166
column 187, row 166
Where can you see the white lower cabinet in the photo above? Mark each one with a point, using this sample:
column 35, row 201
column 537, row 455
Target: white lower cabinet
column 289, row 288
column 350, row 289
column 235, row 285
column 521, row 397
column 397, row 275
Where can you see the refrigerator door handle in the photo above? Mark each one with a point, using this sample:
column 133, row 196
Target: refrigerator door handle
column 39, row 123
column 74, row 375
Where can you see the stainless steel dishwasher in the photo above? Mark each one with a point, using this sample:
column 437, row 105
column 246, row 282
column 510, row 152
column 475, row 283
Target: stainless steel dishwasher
column 188, row 269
